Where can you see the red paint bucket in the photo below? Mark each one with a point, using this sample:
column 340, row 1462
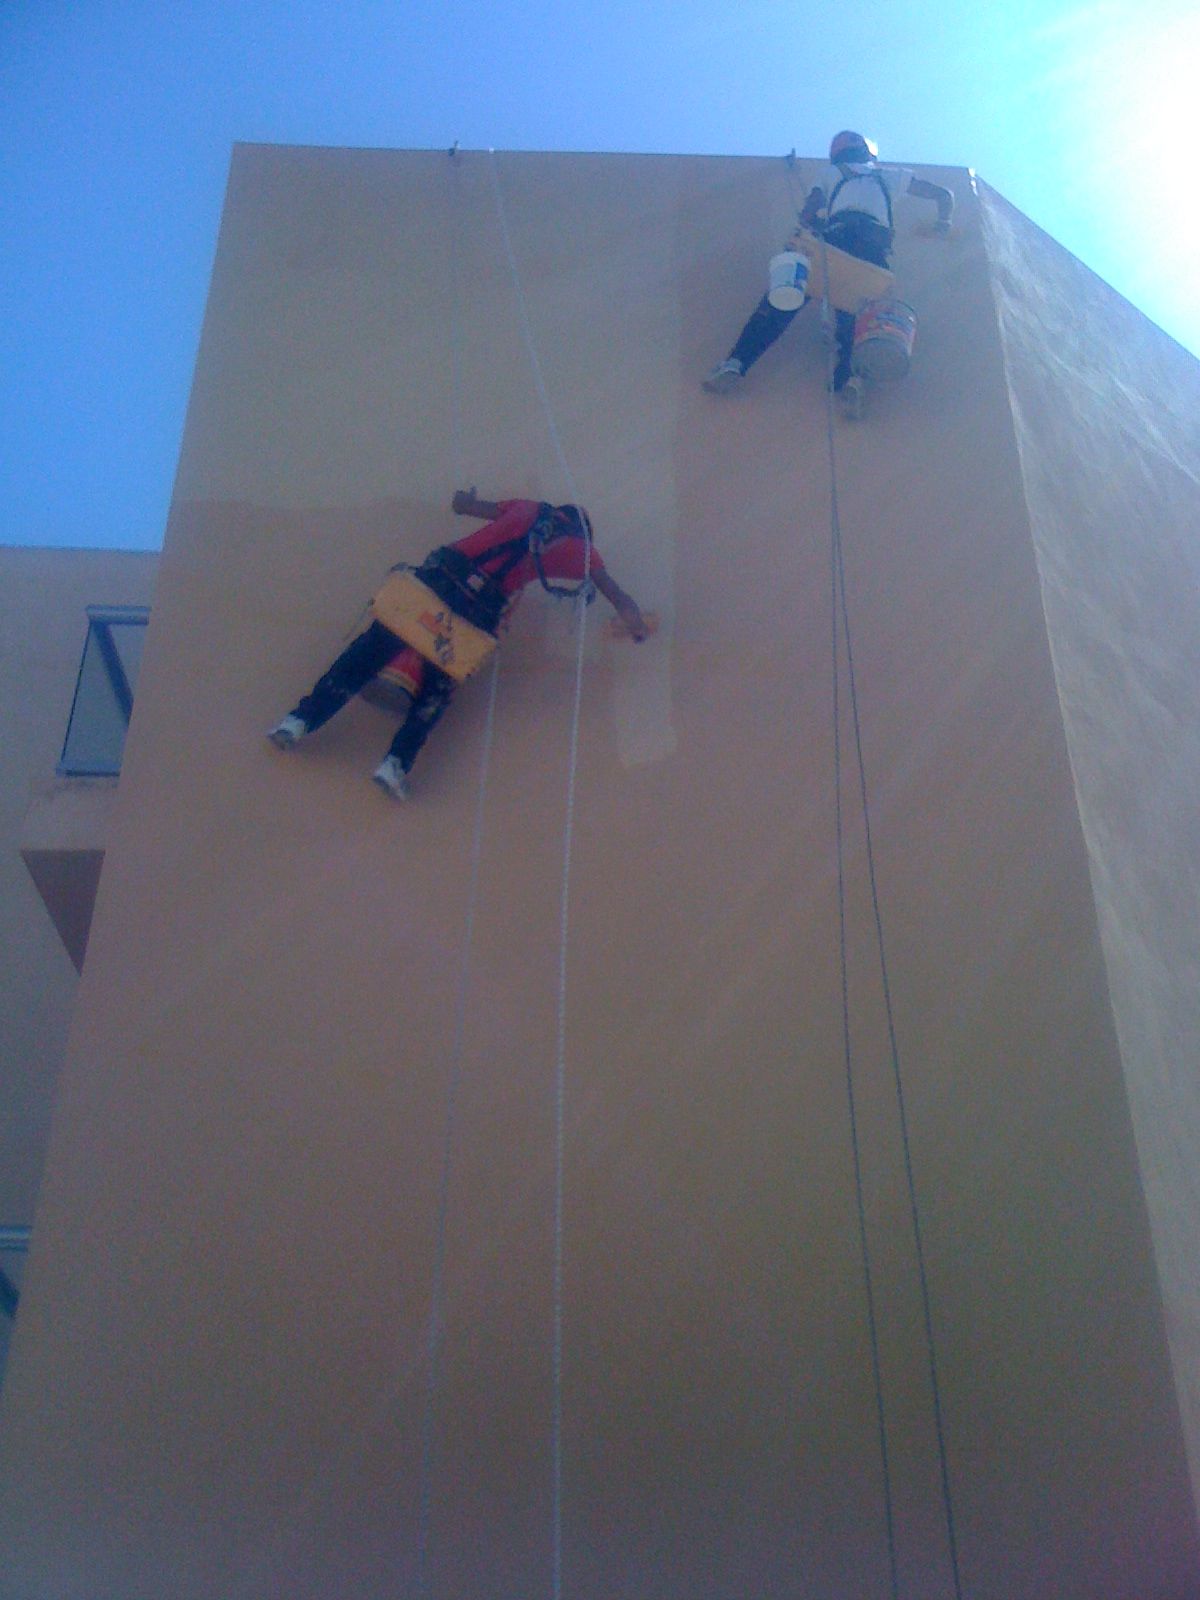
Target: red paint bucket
column 884, row 331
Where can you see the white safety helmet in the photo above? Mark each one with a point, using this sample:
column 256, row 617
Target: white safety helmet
column 852, row 149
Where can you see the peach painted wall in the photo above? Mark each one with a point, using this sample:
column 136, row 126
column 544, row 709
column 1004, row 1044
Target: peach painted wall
column 220, row 1378
column 44, row 595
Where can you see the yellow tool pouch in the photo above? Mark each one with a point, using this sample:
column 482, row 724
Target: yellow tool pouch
column 423, row 620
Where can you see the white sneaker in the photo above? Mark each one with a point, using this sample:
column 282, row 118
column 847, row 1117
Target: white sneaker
column 723, row 378
column 287, row 731
column 391, row 776
column 854, row 398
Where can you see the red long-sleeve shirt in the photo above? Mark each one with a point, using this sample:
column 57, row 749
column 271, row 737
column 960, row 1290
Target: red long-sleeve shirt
column 565, row 557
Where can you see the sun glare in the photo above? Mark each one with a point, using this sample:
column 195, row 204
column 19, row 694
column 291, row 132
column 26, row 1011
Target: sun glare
column 1126, row 87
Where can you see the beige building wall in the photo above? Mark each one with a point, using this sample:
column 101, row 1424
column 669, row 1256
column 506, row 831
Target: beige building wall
column 249, row 1138
column 44, row 595
column 1107, row 410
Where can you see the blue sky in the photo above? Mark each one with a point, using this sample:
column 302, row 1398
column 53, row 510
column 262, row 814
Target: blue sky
column 117, row 117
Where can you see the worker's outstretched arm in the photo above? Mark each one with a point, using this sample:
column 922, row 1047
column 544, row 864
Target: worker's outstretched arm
column 468, row 504
column 624, row 605
column 924, row 190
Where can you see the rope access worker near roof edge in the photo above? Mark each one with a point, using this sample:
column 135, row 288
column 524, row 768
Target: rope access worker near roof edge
column 480, row 578
column 855, row 215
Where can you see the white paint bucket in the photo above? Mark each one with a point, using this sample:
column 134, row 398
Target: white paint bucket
column 788, row 280
column 884, row 331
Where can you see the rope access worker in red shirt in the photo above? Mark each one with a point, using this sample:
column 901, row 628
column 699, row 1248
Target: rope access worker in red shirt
column 854, row 213
column 479, row 577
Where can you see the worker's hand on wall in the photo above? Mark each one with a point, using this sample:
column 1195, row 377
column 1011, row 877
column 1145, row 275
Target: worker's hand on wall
column 630, row 614
column 468, row 504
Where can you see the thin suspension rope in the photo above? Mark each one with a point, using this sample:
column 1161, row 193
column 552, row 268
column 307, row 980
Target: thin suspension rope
column 457, row 464
column 898, row 1080
column 437, row 1294
column 842, row 615
column 527, row 332
column 836, row 578
column 564, row 894
column 458, row 1040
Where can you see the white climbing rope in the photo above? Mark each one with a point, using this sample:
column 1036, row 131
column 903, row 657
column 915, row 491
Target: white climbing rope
column 564, row 893
column 458, row 1038
column 437, row 1293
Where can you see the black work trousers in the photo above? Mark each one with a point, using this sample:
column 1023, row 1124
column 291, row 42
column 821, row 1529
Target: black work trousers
column 358, row 663
column 856, row 234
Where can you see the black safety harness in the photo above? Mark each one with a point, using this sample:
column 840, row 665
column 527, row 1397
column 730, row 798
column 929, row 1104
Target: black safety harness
column 473, row 588
column 832, row 221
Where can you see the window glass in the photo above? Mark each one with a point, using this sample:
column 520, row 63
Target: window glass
column 108, row 673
